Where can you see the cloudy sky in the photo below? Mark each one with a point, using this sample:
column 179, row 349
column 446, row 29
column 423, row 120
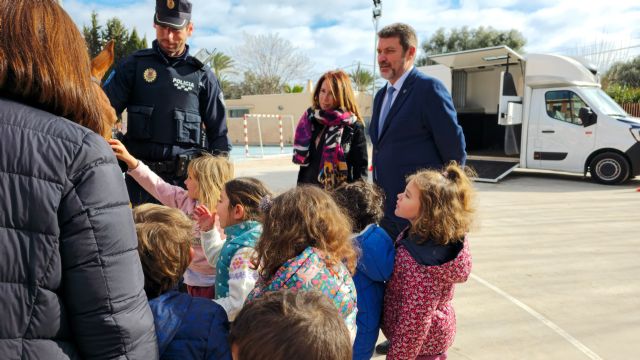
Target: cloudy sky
column 339, row 33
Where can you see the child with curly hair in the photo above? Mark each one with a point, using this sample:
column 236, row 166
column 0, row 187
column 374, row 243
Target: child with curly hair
column 432, row 255
column 305, row 245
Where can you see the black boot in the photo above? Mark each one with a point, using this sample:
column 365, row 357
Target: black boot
column 383, row 347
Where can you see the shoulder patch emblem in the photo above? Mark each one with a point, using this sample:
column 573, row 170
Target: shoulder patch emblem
column 150, row 75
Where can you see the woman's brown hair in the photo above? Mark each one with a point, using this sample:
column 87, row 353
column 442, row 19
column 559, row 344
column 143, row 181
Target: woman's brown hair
column 341, row 90
column 164, row 240
column 44, row 63
column 247, row 192
column 302, row 217
column 446, row 204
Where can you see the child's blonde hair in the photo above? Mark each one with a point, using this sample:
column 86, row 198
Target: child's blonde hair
column 164, row 240
column 302, row 217
column 446, row 204
column 211, row 172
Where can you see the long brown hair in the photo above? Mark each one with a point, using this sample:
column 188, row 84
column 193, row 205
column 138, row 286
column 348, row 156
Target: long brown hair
column 164, row 240
column 44, row 63
column 446, row 204
column 341, row 90
column 302, row 217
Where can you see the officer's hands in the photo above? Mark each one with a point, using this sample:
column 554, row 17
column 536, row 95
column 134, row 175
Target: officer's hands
column 204, row 217
column 122, row 154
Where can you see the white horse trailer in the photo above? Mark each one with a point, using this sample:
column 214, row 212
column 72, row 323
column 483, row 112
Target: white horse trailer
column 537, row 111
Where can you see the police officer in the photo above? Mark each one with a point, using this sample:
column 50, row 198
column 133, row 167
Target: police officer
column 172, row 101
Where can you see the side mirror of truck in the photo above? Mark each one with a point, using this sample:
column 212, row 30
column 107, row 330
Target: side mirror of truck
column 587, row 116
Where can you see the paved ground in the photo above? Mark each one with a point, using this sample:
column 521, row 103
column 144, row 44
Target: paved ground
column 556, row 267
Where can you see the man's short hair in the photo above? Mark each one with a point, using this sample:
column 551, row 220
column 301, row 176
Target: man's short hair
column 404, row 32
column 287, row 325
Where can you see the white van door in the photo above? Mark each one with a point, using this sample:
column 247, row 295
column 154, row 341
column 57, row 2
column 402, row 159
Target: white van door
column 562, row 142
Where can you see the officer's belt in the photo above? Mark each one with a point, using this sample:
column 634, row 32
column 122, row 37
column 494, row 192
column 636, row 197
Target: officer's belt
column 162, row 167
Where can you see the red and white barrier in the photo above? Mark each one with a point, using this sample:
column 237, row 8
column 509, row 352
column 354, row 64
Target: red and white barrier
column 281, row 136
column 246, row 136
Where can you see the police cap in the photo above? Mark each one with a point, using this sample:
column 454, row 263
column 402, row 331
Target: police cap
column 172, row 13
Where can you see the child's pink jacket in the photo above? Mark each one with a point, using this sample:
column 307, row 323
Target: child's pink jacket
column 175, row 197
column 418, row 315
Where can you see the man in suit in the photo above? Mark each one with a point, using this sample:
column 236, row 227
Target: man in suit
column 413, row 125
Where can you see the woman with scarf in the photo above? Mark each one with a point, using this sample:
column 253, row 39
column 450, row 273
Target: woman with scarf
column 330, row 144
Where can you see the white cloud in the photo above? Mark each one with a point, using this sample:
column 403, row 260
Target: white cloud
column 337, row 33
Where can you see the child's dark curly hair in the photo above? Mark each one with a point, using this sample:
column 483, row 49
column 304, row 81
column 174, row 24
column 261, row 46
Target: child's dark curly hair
column 362, row 201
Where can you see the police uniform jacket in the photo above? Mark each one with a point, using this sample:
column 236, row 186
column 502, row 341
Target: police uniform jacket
column 168, row 100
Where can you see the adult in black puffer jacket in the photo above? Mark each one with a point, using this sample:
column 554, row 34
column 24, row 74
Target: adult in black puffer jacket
column 71, row 284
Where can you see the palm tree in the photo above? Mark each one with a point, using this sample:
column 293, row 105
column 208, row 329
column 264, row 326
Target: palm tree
column 362, row 79
column 293, row 89
column 221, row 64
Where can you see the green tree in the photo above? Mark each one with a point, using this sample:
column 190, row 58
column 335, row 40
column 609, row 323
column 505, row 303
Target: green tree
column 93, row 35
column 293, row 89
column 624, row 94
column 135, row 43
column 96, row 36
column 466, row 39
column 116, row 31
column 362, row 79
column 624, row 74
column 222, row 65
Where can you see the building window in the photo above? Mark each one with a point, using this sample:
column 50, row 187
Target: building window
column 238, row 113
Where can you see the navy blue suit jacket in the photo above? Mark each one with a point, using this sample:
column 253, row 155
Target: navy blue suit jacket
column 421, row 131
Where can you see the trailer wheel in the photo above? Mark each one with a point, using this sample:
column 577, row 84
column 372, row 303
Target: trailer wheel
column 609, row 168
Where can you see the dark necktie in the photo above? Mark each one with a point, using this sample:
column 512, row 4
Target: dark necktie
column 385, row 110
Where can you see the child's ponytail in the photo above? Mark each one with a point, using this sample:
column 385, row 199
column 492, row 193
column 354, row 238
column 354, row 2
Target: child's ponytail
column 251, row 193
column 446, row 203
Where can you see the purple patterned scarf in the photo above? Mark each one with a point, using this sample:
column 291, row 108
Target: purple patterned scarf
column 333, row 165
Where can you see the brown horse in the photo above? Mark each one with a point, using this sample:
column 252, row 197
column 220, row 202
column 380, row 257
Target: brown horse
column 99, row 66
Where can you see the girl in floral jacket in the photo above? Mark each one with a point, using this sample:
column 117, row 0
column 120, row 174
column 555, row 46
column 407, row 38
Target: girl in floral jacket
column 306, row 245
column 432, row 255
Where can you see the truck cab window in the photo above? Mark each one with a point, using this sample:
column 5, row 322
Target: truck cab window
column 564, row 105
